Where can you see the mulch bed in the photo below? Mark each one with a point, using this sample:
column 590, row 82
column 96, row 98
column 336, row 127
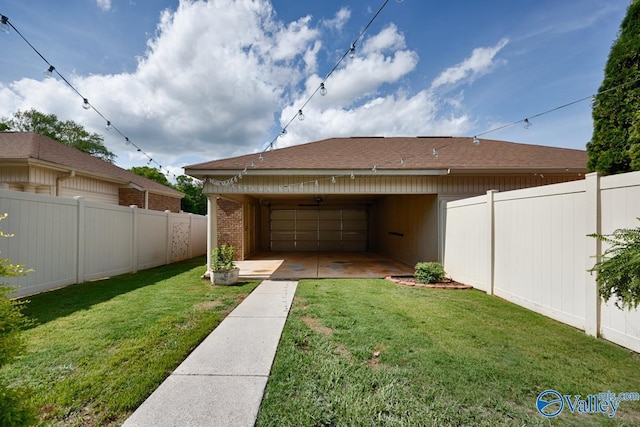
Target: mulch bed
column 411, row 281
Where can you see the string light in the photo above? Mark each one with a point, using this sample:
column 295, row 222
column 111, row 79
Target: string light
column 527, row 125
column 476, row 141
column 4, row 24
column 49, row 72
column 352, row 51
column 300, row 115
column 323, row 89
column 435, row 152
column 108, row 126
column 85, row 104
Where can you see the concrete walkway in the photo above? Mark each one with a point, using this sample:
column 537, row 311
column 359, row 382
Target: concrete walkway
column 222, row 381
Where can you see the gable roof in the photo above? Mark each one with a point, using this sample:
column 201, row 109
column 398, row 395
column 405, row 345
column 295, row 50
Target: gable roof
column 32, row 146
column 457, row 154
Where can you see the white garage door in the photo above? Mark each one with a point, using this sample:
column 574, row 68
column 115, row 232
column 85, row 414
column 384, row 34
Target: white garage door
column 319, row 230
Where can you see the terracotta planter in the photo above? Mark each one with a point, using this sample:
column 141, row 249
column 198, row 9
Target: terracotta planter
column 225, row 277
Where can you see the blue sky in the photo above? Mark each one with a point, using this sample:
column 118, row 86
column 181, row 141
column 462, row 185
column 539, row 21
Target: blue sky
column 194, row 81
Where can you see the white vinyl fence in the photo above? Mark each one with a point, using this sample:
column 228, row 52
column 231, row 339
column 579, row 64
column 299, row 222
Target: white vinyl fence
column 68, row 241
column 531, row 247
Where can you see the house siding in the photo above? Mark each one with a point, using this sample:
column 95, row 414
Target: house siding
column 370, row 184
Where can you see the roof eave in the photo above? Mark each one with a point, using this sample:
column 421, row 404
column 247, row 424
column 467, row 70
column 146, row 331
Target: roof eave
column 204, row 173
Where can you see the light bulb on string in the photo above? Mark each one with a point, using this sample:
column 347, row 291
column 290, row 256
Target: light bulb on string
column 352, row 51
column 126, row 140
column 435, row 152
column 283, row 132
column 49, row 72
column 108, row 126
column 300, row 115
column 4, row 24
column 85, row 104
column 375, row 168
column 476, row 141
column 253, row 164
column 401, row 161
column 333, row 179
column 527, row 124
column 261, row 157
column 323, row 89
column 353, row 176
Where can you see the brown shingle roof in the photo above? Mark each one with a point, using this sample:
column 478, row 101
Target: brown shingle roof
column 417, row 153
column 29, row 145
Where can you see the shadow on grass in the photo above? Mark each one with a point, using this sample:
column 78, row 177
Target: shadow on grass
column 48, row 306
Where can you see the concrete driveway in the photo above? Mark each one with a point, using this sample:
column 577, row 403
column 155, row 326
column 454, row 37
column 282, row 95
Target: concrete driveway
column 320, row 265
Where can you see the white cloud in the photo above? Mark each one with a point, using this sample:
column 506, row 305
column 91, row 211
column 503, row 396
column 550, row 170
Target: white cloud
column 104, row 4
column 338, row 22
column 481, row 61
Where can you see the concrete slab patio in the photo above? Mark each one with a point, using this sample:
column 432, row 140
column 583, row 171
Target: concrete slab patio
column 313, row 265
column 222, row 381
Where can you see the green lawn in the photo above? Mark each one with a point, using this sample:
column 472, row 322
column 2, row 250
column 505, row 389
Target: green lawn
column 372, row 353
column 97, row 350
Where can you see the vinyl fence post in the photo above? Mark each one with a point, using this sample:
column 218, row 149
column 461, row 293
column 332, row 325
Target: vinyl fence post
column 134, row 239
column 593, row 249
column 81, row 238
column 169, row 238
column 490, row 241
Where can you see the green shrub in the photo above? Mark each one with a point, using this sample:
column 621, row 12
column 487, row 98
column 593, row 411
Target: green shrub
column 15, row 408
column 429, row 272
column 222, row 258
column 618, row 271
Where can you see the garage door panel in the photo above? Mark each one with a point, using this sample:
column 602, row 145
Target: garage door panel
column 354, row 214
column 349, row 225
column 306, row 225
column 285, row 214
column 329, row 235
column 331, row 215
column 324, row 224
column 281, row 226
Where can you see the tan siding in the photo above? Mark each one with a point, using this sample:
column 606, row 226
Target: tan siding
column 368, row 184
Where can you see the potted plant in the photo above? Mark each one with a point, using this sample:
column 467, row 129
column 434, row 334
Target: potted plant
column 223, row 269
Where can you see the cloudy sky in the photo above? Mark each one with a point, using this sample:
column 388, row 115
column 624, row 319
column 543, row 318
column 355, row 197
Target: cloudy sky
column 191, row 81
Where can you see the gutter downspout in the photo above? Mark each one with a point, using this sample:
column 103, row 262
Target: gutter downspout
column 61, row 178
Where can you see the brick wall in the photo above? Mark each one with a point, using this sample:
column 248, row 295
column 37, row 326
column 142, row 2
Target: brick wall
column 157, row 202
column 230, row 225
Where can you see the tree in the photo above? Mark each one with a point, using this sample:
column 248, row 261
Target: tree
column 151, row 173
column 616, row 134
column 194, row 200
column 66, row 132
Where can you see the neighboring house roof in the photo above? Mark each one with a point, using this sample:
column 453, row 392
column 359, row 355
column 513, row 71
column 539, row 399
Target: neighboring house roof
column 32, row 147
column 457, row 154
